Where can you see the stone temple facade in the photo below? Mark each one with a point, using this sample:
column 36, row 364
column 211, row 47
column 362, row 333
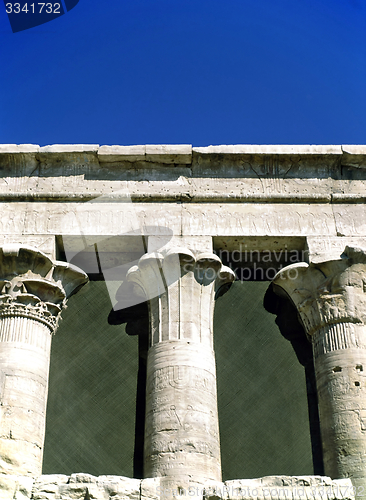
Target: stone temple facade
column 158, row 217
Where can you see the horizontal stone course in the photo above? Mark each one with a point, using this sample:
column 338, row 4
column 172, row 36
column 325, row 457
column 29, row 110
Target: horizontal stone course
column 152, row 152
column 180, row 173
column 151, row 149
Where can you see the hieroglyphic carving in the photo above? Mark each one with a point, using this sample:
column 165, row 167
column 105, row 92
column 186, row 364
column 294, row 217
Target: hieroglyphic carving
column 193, row 219
column 258, row 219
column 350, row 219
column 181, row 377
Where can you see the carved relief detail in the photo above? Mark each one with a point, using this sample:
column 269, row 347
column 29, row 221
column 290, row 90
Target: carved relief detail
column 335, row 337
column 35, row 287
column 329, row 293
column 46, row 313
column 180, row 288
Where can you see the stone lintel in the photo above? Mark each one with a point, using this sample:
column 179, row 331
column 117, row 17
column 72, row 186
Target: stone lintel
column 19, row 148
column 215, row 219
column 354, row 156
column 181, row 154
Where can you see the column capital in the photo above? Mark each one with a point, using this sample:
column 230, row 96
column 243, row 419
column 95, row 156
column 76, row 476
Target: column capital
column 155, row 272
column 327, row 293
column 34, row 286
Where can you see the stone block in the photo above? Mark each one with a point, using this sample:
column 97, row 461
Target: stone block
column 120, row 487
column 69, row 148
column 18, row 148
column 121, row 153
column 350, row 219
column 47, row 487
column 250, row 149
column 150, row 489
column 354, row 156
column 24, row 488
column 354, row 149
column 8, row 486
column 197, row 244
column 215, row 490
column 169, row 153
column 324, row 248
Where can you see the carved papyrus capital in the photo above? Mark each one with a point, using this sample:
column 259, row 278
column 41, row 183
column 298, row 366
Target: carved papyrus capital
column 33, row 286
column 180, row 288
column 155, row 273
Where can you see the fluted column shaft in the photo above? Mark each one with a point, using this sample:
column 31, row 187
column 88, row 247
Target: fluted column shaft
column 33, row 291
column 330, row 298
column 181, row 427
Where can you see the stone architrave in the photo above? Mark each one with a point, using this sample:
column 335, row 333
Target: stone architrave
column 34, row 289
column 181, row 427
column 331, row 302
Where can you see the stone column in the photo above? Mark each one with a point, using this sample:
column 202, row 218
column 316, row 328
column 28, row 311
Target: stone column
column 34, row 289
column 181, row 427
column 331, row 303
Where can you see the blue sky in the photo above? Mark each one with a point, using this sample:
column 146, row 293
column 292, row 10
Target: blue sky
column 187, row 71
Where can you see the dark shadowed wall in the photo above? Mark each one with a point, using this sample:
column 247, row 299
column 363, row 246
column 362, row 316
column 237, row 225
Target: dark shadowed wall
column 92, row 393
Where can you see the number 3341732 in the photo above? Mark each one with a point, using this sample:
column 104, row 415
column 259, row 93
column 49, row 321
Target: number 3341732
column 33, row 8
